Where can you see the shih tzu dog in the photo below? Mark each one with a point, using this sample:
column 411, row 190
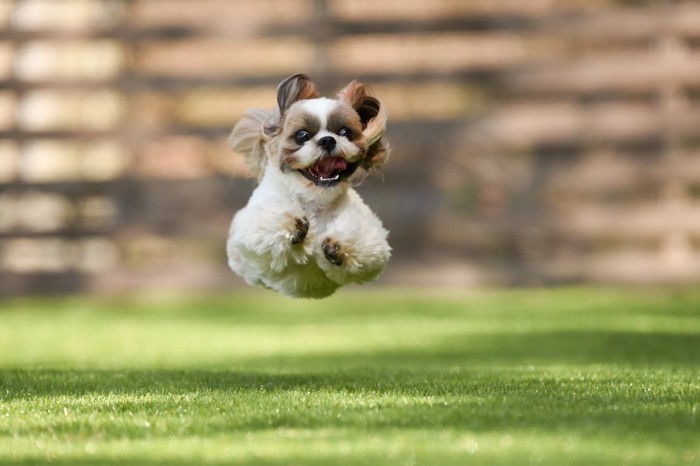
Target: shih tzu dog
column 305, row 231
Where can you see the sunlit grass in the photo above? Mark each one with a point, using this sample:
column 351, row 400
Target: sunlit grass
column 578, row 376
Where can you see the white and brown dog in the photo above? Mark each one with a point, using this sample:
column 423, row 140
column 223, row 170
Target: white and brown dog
column 305, row 231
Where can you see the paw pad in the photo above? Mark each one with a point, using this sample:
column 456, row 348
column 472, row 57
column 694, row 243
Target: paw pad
column 301, row 228
column 332, row 251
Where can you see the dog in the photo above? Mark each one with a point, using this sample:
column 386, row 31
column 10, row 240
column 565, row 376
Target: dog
column 305, row 231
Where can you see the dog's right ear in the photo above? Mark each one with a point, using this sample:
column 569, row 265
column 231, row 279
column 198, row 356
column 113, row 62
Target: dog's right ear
column 296, row 87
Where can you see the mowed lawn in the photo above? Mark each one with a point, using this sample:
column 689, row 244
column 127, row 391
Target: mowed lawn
column 367, row 377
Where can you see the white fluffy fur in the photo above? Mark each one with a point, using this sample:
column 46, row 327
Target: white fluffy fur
column 260, row 247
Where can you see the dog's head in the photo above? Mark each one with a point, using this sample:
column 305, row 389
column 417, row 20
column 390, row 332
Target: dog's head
column 322, row 142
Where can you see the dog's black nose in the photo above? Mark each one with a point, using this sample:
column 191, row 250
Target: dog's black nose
column 327, row 143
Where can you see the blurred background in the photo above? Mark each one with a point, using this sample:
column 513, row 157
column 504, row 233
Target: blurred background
column 534, row 142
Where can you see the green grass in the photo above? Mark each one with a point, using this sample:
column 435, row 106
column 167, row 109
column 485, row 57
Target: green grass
column 572, row 376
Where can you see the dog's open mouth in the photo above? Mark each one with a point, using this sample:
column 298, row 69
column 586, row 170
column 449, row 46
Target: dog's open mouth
column 329, row 171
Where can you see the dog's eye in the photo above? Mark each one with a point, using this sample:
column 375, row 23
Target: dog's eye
column 345, row 132
column 302, row 136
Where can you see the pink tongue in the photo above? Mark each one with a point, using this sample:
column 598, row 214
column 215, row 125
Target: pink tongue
column 328, row 166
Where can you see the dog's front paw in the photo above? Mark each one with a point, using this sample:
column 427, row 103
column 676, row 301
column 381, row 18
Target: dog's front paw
column 333, row 251
column 299, row 230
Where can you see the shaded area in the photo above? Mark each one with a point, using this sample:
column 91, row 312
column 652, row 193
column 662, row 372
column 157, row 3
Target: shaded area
column 476, row 400
column 536, row 348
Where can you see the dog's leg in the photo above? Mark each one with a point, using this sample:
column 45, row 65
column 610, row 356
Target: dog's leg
column 268, row 239
column 354, row 247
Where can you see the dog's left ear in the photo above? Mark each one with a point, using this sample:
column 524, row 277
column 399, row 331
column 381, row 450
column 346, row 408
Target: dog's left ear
column 362, row 99
column 373, row 116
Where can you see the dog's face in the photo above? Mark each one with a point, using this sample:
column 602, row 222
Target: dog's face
column 323, row 142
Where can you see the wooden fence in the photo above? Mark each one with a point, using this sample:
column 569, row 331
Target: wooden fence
column 533, row 142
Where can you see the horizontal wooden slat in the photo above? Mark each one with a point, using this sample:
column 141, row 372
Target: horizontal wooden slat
column 331, row 29
column 650, row 221
column 603, row 175
column 561, row 123
column 57, row 254
column 217, row 13
column 368, row 10
column 148, row 81
column 119, row 133
column 679, row 19
column 204, row 57
column 631, row 72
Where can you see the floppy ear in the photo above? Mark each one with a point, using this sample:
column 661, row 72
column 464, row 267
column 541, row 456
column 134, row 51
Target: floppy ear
column 361, row 98
column 373, row 116
column 295, row 87
column 248, row 139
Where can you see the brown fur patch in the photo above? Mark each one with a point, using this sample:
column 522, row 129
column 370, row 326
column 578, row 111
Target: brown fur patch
column 294, row 88
column 299, row 120
column 361, row 98
column 344, row 116
column 373, row 116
